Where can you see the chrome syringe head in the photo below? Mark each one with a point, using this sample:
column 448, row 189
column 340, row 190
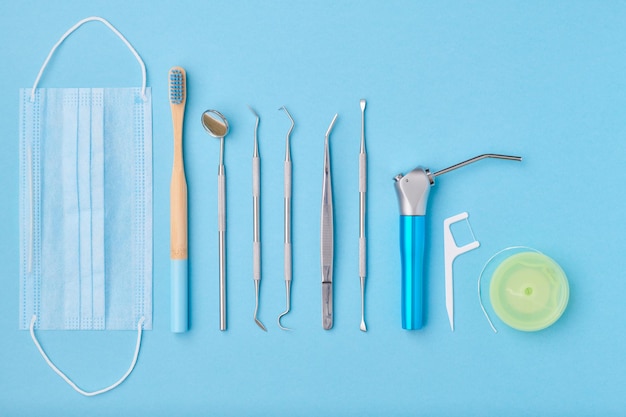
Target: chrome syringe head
column 413, row 188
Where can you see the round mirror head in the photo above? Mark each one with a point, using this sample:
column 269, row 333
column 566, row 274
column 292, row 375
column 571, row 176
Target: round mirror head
column 215, row 123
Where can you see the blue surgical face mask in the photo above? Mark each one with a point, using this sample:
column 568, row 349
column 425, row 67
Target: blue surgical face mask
column 85, row 206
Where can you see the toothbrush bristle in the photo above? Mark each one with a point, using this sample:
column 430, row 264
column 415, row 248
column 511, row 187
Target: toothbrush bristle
column 177, row 86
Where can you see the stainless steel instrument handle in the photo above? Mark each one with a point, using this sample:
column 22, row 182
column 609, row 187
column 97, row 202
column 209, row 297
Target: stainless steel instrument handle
column 287, row 217
column 221, row 227
column 256, row 238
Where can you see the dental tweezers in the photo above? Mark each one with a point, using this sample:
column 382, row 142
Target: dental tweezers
column 326, row 237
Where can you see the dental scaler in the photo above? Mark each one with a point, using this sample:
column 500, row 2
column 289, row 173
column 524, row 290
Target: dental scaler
column 413, row 190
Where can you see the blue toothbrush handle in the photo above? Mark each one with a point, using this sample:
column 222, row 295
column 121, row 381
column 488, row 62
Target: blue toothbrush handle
column 412, row 237
column 179, row 293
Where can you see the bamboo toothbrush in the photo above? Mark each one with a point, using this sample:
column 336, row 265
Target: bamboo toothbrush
column 178, row 207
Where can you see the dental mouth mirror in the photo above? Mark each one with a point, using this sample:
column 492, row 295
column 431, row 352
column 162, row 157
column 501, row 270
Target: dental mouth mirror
column 216, row 125
column 413, row 190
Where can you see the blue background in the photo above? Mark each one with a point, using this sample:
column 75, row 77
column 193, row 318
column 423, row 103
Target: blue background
column 444, row 81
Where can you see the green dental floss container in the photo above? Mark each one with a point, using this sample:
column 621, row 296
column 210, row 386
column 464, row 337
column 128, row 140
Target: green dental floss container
column 529, row 291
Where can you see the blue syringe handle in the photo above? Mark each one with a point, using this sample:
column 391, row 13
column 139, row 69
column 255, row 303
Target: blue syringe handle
column 412, row 237
column 179, row 296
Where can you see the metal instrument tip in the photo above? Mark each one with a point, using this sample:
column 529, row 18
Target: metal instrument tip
column 288, row 293
column 283, row 108
column 332, row 124
column 362, row 104
column 280, row 317
column 253, row 112
column 259, row 324
column 363, row 326
column 256, row 306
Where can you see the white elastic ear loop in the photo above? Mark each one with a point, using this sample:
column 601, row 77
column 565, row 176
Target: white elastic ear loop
column 69, row 381
column 69, row 32
column 480, row 297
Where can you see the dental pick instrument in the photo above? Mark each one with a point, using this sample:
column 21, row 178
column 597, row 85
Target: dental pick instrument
column 178, row 208
column 413, row 190
column 362, row 204
column 326, row 237
column 216, row 125
column 256, row 219
column 451, row 251
column 287, row 215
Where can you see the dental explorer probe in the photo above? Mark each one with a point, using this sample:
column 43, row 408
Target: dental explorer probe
column 326, row 237
column 287, row 215
column 362, row 203
column 256, row 233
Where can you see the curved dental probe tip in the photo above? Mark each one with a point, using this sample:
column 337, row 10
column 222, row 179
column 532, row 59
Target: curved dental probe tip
column 256, row 128
column 288, row 298
column 280, row 317
column 256, row 307
column 260, row 324
column 290, row 118
column 253, row 112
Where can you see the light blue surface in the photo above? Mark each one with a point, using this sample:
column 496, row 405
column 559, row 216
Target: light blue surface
column 412, row 256
column 444, row 81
